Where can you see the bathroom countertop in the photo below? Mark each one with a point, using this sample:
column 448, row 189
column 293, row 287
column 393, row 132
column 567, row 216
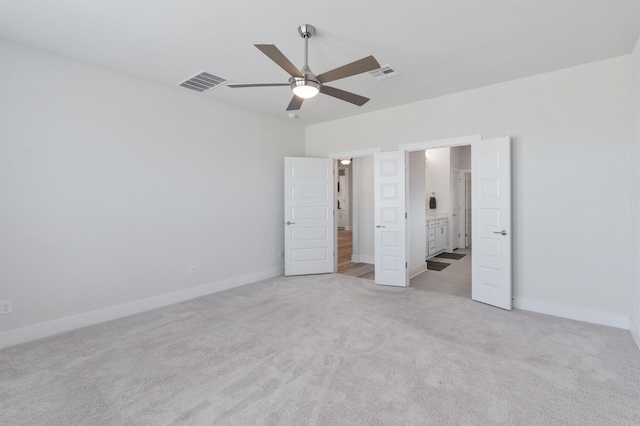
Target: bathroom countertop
column 436, row 217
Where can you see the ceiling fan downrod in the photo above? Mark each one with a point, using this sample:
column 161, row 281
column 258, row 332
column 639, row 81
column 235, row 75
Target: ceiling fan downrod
column 306, row 31
column 307, row 86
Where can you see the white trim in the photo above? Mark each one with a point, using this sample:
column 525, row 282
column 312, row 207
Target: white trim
column 351, row 154
column 635, row 332
column 364, row 259
column 439, row 143
column 46, row 329
column 417, row 270
column 573, row 312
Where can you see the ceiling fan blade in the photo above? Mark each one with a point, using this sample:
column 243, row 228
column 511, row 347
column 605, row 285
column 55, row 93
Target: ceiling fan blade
column 278, row 57
column 295, row 103
column 362, row 65
column 344, row 95
column 235, row 86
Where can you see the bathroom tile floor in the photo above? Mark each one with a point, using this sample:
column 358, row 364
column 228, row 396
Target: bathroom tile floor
column 454, row 280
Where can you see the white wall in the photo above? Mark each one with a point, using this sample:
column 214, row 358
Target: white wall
column 572, row 134
column 112, row 187
column 635, row 192
column 417, row 232
column 363, row 235
column 454, row 157
column 463, row 155
column 438, row 180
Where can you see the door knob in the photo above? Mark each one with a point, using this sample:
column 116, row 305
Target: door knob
column 380, row 226
column 503, row 232
column 290, row 223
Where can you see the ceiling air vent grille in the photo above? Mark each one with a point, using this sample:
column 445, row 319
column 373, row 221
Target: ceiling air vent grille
column 385, row 72
column 202, row 82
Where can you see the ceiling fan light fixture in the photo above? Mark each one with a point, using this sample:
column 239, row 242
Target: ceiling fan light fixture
column 304, row 88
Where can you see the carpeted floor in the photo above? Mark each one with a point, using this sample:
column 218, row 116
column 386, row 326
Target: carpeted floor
column 325, row 350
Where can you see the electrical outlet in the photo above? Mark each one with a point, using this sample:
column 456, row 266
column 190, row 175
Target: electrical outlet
column 192, row 270
column 6, row 306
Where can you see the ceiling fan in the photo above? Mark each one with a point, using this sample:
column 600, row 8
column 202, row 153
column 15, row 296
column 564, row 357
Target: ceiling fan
column 304, row 83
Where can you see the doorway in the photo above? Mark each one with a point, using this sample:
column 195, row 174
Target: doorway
column 448, row 258
column 354, row 218
column 491, row 214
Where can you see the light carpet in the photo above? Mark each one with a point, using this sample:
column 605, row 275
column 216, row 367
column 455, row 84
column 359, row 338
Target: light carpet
column 325, row 350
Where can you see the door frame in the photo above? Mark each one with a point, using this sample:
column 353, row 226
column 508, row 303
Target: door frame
column 437, row 143
column 462, row 203
column 467, row 216
column 454, row 221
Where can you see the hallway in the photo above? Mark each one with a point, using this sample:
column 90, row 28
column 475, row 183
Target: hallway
column 345, row 251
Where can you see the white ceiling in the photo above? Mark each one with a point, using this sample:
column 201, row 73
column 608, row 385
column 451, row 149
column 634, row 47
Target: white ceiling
column 439, row 46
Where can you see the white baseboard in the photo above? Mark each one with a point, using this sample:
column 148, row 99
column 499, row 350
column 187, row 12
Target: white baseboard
column 572, row 312
column 635, row 332
column 50, row 328
column 415, row 270
column 363, row 258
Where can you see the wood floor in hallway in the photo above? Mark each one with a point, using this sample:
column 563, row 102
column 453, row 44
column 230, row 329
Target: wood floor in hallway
column 345, row 251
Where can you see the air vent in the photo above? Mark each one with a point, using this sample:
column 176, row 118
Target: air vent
column 384, row 73
column 202, row 82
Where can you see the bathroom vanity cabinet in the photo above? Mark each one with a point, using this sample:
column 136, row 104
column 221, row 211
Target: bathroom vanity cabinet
column 436, row 236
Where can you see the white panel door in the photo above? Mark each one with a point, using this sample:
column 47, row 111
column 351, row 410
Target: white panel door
column 390, row 218
column 308, row 216
column 491, row 222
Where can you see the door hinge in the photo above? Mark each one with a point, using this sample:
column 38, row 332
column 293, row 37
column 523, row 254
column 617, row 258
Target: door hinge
column 405, row 215
column 406, row 265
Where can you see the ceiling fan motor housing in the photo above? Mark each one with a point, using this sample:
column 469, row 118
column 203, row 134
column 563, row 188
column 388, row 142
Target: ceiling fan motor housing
column 306, row 30
column 309, row 80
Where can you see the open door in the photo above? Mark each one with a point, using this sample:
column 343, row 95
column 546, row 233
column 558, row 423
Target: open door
column 308, row 216
column 390, row 218
column 491, row 222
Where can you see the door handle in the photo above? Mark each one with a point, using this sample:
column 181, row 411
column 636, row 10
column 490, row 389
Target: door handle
column 380, row 226
column 503, row 232
column 290, row 223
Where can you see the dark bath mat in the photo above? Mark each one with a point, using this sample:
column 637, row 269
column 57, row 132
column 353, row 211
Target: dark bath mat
column 436, row 266
column 455, row 256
